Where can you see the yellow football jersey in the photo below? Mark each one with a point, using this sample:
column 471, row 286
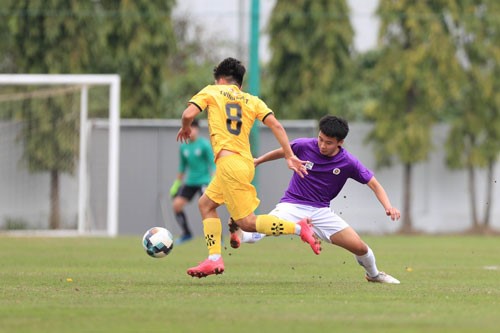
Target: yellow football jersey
column 231, row 115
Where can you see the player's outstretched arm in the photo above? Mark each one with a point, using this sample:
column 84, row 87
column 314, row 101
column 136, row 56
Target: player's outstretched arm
column 279, row 132
column 269, row 156
column 381, row 195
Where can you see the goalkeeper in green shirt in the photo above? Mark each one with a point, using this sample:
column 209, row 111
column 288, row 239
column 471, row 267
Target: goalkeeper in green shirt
column 196, row 166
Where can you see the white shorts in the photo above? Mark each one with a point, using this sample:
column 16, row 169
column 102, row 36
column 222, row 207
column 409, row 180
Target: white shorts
column 325, row 222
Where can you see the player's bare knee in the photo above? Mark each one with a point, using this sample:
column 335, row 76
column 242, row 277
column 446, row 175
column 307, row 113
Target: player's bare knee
column 360, row 249
column 207, row 205
column 177, row 205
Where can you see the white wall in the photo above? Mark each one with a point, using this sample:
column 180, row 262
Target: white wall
column 148, row 165
column 440, row 196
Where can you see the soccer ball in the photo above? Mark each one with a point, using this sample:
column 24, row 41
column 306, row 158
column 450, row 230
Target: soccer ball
column 158, row 242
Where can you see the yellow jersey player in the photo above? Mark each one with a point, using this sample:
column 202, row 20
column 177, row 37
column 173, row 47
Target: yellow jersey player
column 231, row 113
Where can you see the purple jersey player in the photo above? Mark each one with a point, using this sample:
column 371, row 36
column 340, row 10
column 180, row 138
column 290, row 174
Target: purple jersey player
column 327, row 174
column 329, row 166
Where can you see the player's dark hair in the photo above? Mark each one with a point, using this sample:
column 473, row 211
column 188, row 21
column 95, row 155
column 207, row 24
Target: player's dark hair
column 334, row 127
column 195, row 123
column 231, row 69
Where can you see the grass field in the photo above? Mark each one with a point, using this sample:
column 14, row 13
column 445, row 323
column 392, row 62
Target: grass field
column 448, row 284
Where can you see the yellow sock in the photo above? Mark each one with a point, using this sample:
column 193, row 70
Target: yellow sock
column 212, row 229
column 274, row 226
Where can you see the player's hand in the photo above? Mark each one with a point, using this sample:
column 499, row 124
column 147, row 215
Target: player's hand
column 184, row 134
column 394, row 213
column 297, row 165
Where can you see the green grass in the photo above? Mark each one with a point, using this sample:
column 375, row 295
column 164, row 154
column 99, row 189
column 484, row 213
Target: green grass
column 277, row 285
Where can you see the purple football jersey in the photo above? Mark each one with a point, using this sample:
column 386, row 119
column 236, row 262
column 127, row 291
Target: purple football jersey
column 327, row 175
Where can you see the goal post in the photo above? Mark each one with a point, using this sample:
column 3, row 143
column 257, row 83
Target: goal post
column 84, row 81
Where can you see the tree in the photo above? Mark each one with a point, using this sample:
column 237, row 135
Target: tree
column 45, row 40
column 413, row 74
column 357, row 89
column 131, row 38
column 138, row 39
column 191, row 67
column 311, row 43
column 474, row 139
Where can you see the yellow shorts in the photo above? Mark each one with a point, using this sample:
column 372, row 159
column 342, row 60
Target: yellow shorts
column 232, row 186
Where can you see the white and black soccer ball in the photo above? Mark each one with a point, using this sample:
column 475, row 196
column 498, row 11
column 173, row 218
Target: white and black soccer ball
column 158, row 242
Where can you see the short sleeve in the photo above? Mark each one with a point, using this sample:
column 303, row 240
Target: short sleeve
column 262, row 110
column 201, row 99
